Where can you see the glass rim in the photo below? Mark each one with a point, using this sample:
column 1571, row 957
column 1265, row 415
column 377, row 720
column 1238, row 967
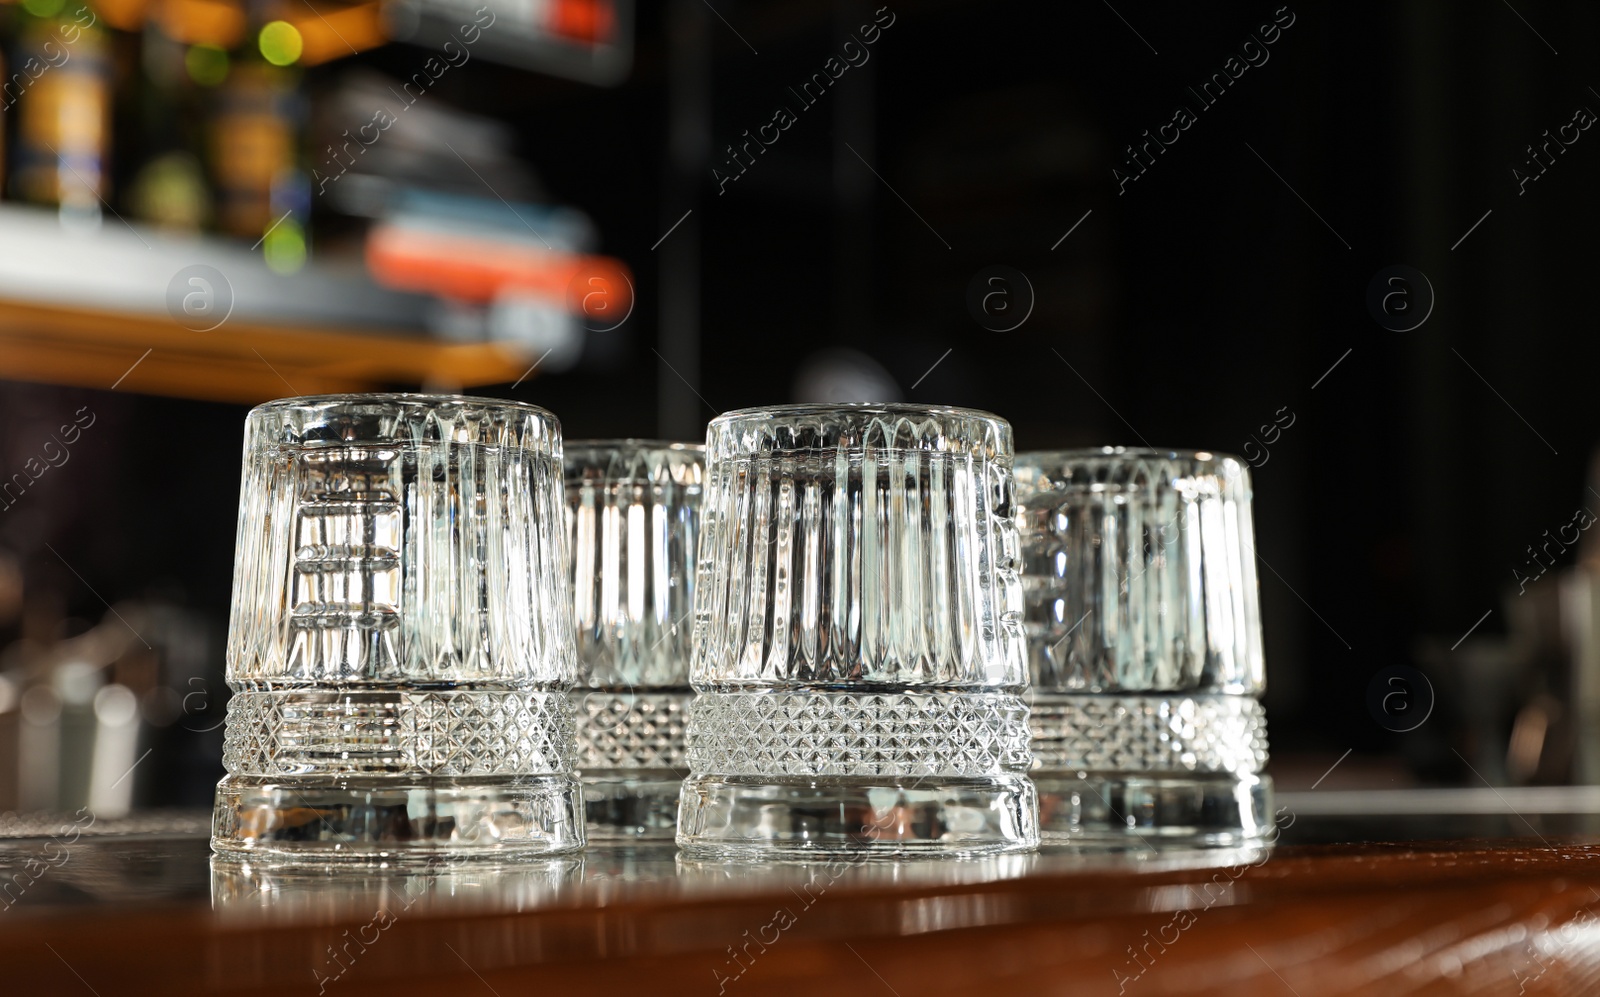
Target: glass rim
column 399, row 400
column 637, row 444
column 847, row 408
column 1125, row 453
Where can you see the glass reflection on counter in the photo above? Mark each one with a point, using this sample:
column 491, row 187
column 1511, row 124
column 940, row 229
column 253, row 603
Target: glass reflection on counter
column 321, row 893
column 246, row 890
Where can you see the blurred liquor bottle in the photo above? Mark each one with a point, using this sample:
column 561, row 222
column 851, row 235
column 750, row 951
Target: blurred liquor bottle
column 261, row 189
column 61, row 91
column 220, row 118
column 164, row 112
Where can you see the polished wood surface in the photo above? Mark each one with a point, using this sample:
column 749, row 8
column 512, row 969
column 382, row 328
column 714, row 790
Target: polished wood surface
column 1462, row 917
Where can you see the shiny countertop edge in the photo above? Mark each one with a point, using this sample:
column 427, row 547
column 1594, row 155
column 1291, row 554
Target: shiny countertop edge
column 1366, row 902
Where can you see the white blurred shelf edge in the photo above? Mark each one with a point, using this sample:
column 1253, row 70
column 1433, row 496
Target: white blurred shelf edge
column 1512, row 800
column 125, row 268
column 90, row 309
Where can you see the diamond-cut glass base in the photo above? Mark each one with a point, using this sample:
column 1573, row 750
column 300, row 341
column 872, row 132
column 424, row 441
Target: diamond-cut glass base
column 1171, row 732
column 900, row 733
column 631, row 753
column 892, row 772
column 398, row 732
column 627, row 730
column 379, row 819
column 1142, row 769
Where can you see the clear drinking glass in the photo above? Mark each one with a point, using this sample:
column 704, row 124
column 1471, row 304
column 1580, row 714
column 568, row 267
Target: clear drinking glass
column 401, row 640
column 1144, row 642
column 858, row 647
column 633, row 521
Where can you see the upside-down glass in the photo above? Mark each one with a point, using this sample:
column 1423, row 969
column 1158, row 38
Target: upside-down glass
column 401, row 639
column 1145, row 646
column 858, row 648
column 633, row 520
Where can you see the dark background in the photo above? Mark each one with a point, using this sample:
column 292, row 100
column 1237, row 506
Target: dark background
column 1185, row 312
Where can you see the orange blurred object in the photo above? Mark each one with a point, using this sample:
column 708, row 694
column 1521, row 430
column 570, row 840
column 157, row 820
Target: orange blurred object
column 124, row 15
column 590, row 21
column 477, row 270
column 202, row 22
column 338, row 32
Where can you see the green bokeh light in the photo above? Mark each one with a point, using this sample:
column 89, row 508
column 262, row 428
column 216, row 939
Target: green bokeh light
column 280, row 43
column 43, row 8
column 285, row 247
column 207, row 64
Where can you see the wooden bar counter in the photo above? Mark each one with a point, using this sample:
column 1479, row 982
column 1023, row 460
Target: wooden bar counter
column 152, row 913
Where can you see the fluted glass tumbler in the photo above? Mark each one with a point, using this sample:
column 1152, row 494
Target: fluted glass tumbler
column 858, row 647
column 401, row 639
column 633, row 522
column 1144, row 641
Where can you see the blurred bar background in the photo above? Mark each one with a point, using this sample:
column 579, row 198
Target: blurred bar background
column 205, row 204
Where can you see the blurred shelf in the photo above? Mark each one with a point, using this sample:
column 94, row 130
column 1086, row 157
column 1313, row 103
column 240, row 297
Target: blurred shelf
column 82, row 308
column 249, row 363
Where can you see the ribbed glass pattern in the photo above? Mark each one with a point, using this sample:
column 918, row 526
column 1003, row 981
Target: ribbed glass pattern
column 400, row 541
column 1139, row 572
column 633, row 523
column 858, row 546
